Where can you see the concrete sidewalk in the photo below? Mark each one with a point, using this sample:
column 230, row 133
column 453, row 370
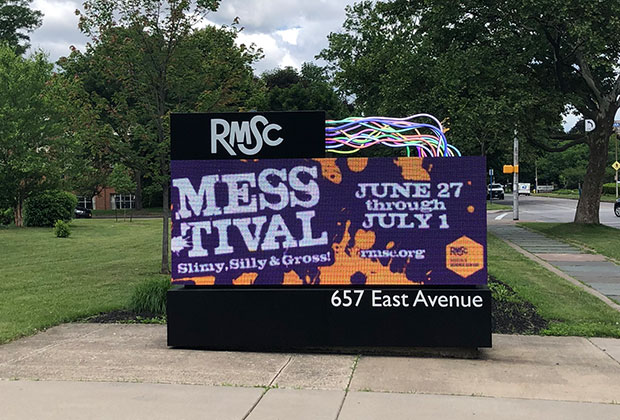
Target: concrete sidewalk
column 101, row 371
column 593, row 270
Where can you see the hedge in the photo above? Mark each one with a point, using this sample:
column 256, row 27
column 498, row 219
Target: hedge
column 609, row 188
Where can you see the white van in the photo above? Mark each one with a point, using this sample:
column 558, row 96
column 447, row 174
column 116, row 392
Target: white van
column 524, row 188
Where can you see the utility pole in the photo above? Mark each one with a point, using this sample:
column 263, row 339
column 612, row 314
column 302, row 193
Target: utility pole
column 515, row 179
column 536, row 174
column 616, row 169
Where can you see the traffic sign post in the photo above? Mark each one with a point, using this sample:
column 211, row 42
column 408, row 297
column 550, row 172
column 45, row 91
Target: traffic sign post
column 491, row 186
column 616, row 166
column 515, row 178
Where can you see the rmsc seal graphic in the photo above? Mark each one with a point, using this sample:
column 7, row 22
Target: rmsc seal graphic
column 464, row 256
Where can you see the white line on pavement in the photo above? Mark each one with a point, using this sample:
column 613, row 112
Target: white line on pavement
column 501, row 216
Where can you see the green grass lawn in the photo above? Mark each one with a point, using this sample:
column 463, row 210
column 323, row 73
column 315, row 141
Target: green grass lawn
column 574, row 195
column 603, row 240
column 45, row 280
column 148, row 212
column 569, row 310
column 494, row 206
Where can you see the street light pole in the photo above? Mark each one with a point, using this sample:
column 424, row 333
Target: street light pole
column 515, row 179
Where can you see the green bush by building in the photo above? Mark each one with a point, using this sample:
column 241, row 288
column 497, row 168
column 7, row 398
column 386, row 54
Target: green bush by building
column 47, row 207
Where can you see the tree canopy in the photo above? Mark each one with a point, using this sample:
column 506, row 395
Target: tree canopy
column 146, row 60
column 36, row 108
column 290, row 90
column 15, row 19
column 490, row 67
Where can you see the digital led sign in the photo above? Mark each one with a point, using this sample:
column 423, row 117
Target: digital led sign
column 345, row 221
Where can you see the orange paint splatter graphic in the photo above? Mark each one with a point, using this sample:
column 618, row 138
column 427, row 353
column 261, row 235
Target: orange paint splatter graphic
column 199, row 281
column 245, row 279
column 364, row 239
column 290, row 278
column 357, row 164
column 330, row 170
column 471, row 209
column 412, row 169
column 348, row 263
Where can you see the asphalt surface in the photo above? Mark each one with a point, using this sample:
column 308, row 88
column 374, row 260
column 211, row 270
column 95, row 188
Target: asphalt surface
column 107, row 371
column 547, row 209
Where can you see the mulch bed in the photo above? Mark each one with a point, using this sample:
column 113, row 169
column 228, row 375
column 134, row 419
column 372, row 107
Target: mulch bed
column 510, row 317
column 122, row 316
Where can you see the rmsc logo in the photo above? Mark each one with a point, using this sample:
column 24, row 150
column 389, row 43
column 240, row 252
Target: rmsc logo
column 464, row 256
column 243, row 134
column 458, row 250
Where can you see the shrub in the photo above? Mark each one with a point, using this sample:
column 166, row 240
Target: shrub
column 6, row 216
column 62, row 229
column 45, row 208
column 609, row 188
column 149, row 297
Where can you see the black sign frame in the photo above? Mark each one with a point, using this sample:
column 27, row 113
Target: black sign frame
column 266, row 135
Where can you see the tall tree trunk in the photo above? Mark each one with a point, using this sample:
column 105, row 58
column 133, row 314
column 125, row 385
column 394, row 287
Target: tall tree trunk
column 19, row 208
column 590, row 199
column 165, row 249
column 138, row 181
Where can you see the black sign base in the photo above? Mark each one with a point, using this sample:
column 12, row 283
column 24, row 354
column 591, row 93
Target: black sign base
column 297, row 318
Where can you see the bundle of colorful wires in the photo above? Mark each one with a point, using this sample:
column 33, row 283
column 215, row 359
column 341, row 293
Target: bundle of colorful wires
column 415, row 133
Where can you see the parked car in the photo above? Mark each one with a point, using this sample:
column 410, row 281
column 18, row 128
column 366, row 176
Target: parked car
column 617, row 207
column 496, row 191
column 82, row 212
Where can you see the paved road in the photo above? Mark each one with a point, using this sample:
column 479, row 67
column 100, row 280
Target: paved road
column 547, row 209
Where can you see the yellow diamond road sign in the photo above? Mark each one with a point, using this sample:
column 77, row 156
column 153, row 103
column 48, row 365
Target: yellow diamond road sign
column 616, row 165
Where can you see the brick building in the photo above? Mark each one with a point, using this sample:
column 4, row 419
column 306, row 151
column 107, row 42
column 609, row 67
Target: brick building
column 107, row 199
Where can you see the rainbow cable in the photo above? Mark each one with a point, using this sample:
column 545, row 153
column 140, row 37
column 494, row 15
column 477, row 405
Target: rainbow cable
column 356, row 133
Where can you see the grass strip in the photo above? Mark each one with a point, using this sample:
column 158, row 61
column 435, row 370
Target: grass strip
column 494, row 206
column 574, row 196
column 601, row 239
column 568, row 309
column 147, row 212
column 45, row 281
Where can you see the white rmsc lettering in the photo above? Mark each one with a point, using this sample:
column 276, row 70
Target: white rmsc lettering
column 246, row 136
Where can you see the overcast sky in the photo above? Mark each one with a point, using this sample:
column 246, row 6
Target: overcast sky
column 290, row 32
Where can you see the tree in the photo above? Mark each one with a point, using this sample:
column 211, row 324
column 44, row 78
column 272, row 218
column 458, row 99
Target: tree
column 392, row 63
column 15, row 17
column 491, row 66
column 160, row 64
column 288, row 90
column 36, row 147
